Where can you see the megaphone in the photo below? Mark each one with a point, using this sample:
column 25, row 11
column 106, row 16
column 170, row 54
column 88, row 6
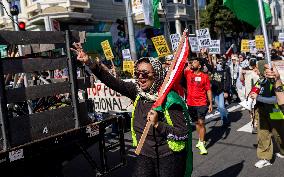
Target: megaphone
column 247, row 104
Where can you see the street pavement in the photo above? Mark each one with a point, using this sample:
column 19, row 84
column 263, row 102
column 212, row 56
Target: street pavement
column 232, row 152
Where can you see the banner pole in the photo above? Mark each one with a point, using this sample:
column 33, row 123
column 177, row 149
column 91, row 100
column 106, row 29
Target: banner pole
column 264, row 30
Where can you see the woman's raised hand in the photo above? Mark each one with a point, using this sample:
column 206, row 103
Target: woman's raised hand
column 81, row 55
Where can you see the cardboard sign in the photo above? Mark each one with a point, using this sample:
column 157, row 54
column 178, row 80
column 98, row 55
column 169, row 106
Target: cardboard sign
column 175, row 38
column 107, row 50
column 281, row 37
column 126, row 54
column 161, row 46
column 106, row 99
column 194, row 45
column 259, row 42
column 245, row 45
column 129, row 67
column 279, row 64
column 215, row 47
column 203, row 36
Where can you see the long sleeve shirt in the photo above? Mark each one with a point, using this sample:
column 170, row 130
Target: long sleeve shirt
column 157, row 137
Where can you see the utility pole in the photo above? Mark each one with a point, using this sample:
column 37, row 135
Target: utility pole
column 196, row 12
column 130, row 30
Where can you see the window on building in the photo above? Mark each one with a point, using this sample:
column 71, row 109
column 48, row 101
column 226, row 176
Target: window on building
column 172, row 27
column 117, row 1
column 188, row 2
column 170, row 1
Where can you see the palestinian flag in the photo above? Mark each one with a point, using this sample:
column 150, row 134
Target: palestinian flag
column 150, row 10
column 248, row 11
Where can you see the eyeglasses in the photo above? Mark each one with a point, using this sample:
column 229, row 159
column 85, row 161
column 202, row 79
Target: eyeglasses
column 145, row 74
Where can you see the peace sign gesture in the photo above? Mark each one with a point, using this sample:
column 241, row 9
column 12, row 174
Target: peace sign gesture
column 81, row 55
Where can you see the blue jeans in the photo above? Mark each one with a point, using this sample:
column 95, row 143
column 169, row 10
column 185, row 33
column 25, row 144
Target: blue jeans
column 219, row 99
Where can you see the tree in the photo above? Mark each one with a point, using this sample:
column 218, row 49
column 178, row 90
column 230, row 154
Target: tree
column 220, row 21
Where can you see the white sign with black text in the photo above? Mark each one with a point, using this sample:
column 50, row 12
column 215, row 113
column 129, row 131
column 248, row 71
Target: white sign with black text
column 194, row 46
column 204, row 38
column 214, row 47
column 281, row 37
column 126, row 54
column 175, row 38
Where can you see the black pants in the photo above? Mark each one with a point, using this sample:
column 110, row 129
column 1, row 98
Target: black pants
column 170, row 166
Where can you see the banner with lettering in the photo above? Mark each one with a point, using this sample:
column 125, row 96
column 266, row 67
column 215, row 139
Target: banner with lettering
column 108, row 100
column 161, row 46
column 107, row 50
column 129, row 67
column 203, row 36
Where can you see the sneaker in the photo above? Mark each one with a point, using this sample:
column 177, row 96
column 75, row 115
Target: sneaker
column 198, row 144
column 254, row 130
column 279, row 155
column 262, row 163
column 202, row 149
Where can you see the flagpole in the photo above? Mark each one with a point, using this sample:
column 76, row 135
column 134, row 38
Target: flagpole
column 130, row 29
column 264, row 30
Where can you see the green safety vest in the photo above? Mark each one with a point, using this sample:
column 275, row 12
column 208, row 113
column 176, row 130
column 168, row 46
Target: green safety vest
column 172, row 98
column 277, row 113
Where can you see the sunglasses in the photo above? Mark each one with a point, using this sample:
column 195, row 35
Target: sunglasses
column 145, row 74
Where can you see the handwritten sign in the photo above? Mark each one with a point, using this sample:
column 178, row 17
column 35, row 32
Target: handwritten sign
column 245, row 45
column 161, row 46
column 259, row 42
column 106, row 99
column 175, row 38
column 126, row 54
column 194, row 46
column 204, row 38
column 215, row 47
column 129, row 67
column 276, row 44
column 107, row 50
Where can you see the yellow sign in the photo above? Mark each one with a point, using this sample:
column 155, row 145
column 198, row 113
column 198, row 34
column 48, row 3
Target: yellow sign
column 161, row 46
column 129, row 67
column 276, row 44
column 259, row 42
column 107, row 50
column 245, row 45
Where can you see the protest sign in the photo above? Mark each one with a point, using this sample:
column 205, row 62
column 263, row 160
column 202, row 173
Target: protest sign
column 245, row 45
column 175, row 38
column 214, row 47
column 161, row 46
column 252, row 48
column 194, row 46
column 107, row 50
column 126, row 54
column 129, row 67
column 259, row 42
column 276, row 44
column 281, row 37
column 203, row 36
column 279, row 64
column 108, row 100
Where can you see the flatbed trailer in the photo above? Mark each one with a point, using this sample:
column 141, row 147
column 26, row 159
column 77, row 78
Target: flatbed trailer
column 62, row 131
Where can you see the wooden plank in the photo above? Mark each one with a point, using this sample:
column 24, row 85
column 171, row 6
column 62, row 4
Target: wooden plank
column 34, row 92
column 40, row 125
column 26, row 65
column 31, row 37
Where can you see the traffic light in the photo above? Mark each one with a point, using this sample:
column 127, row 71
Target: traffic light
column 121, row 28
column 22, row 26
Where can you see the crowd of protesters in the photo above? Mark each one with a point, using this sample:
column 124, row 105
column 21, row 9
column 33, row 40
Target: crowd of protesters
column 207, row 80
